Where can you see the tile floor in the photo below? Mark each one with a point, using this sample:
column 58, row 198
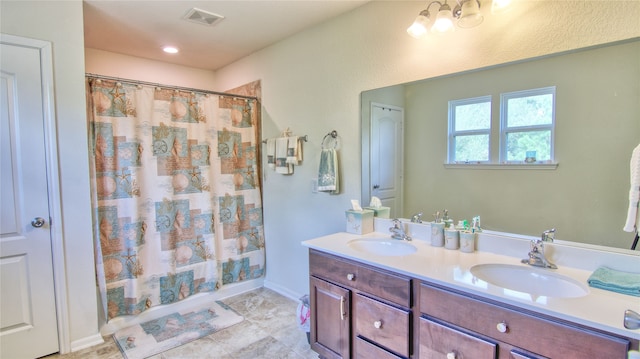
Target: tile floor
column 269, row 330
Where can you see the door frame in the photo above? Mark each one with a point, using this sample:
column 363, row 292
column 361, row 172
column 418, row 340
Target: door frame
column 53, row 181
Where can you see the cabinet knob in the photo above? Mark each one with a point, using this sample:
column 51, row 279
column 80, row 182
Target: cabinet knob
column 502, row 327
column 351, row 276
column 377, row 324
column 451, row 355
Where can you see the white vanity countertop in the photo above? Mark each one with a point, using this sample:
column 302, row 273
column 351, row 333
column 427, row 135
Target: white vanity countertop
column 600, row 309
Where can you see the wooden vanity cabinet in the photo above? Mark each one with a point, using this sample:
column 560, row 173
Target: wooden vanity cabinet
column 358, row 311
column 454, row 322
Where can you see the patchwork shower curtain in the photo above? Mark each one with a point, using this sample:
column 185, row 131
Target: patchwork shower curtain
column 176, row 193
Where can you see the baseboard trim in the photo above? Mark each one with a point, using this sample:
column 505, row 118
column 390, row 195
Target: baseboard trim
column 86, row 342
column 282, row 290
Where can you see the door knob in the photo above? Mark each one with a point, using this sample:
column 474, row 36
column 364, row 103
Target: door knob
column 375, row 186
column 38, row 222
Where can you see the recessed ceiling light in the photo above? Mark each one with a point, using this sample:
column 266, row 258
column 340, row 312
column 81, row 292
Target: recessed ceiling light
column 170, row 49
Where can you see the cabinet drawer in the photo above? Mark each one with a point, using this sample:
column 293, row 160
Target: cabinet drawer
column 366, row 350
column 379, row 283
column 542, row 336
column 516, row 354
column 391, row 287
column 437, row 340
column 382, row 324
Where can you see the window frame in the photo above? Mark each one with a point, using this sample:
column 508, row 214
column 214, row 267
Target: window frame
column 451, row 143
column 505, row 130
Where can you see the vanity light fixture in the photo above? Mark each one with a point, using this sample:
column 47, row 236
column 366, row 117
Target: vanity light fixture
column 466, row 13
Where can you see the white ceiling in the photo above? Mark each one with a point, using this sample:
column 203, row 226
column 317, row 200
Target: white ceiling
column 141, row 28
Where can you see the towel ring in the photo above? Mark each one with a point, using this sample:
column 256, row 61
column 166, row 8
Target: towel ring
column 333, row 135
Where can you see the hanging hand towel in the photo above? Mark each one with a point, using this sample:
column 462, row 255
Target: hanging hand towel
column 281, row 156
column 615, row 281
column 631, row 225
column 328, row 179
column 294, row 150
column 271, row 153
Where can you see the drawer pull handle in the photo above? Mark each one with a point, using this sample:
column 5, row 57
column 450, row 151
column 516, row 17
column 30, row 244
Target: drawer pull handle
column 342, row 313
column 351, row 276
column 377, row 324
column 502, row 327
column 451, row 355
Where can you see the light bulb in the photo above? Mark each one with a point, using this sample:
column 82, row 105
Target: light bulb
column 444, row 20
column 470, row 15
column 419, row 26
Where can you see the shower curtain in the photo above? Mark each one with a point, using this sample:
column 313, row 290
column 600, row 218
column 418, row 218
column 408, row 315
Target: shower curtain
column 176, row 195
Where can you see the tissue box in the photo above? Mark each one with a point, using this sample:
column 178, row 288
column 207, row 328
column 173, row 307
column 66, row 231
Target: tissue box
column 380, row 212
column 359, row 222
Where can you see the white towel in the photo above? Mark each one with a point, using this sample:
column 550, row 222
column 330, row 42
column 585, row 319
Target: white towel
column 633, row 215
column 282, row 166
column 328, row 178
column 294, row 150
column 271, row 153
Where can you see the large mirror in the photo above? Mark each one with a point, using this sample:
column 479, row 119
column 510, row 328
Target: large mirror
column 585, row 197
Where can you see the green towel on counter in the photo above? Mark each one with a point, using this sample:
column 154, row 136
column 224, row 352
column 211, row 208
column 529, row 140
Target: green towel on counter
column 615, row 281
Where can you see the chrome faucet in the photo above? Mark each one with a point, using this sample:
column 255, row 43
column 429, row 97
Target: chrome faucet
column 397, row 231
column 416, row 218
column 536, row 254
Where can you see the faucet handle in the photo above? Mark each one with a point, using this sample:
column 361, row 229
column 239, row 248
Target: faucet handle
column 416, row 218
column 549, row 235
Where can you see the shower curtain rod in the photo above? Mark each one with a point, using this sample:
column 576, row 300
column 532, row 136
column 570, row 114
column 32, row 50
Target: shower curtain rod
column 110, row 78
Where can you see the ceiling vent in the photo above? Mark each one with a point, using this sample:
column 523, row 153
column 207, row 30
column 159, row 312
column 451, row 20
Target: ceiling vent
column 202, row 17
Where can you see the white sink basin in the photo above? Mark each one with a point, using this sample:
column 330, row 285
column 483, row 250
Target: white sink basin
column 531, row 280
column 382, row 246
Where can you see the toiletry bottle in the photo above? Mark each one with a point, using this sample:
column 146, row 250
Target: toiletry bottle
column 448, row 222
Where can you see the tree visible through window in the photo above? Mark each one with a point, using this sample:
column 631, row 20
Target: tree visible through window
column 527, row 123
column 470, row 129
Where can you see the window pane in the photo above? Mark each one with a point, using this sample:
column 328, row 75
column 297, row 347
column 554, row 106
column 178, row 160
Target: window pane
column 530, row 110
column 518, row 143
column 473, row 116
column 471, row 148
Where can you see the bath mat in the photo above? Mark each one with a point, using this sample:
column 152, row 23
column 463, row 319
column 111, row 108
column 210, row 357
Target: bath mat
column 170, row 331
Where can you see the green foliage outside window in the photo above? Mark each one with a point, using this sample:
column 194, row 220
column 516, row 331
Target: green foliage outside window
column 472, row 148
column 474, row 116
column 518, row 143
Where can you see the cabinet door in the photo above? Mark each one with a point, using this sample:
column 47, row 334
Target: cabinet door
column 330, row 318
column 440, row 341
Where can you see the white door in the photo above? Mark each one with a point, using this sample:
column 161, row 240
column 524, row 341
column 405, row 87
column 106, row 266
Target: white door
column 387, row 156
column 28, row 326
